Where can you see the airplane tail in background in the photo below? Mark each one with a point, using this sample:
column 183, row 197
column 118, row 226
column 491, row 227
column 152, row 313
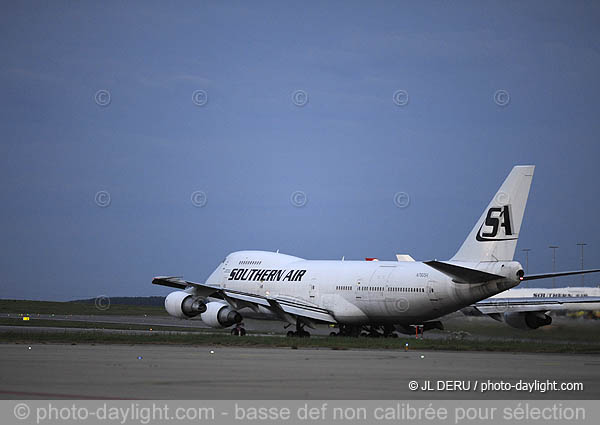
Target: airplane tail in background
column 494, row 237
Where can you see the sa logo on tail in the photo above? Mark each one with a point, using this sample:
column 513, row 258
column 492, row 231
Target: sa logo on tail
column 496, row 218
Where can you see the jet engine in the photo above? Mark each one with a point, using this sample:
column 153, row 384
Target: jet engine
column 527, row 320
column 184, row 305
column 219, row 315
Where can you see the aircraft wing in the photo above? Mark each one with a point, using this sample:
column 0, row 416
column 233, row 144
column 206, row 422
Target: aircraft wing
column 287, row 308
column 178, row 282
column 558, row 274
column 526, row 304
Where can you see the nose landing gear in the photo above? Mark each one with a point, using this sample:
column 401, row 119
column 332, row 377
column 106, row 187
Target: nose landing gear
column 238, row 330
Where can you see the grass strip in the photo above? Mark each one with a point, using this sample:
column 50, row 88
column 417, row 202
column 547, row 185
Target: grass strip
column 335, row 343
column 104, row 308
column 79, row 324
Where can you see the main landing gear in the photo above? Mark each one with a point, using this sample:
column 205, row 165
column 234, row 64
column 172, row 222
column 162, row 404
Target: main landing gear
column 389, row 331
column 300, row 332
column 379, row 332
column 347, row 330
column 386, row 331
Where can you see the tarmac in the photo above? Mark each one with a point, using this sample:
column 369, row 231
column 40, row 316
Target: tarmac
column 57, row 371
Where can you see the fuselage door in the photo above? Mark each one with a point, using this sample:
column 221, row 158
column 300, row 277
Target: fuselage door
column 357, row 290
column 432, row 293
column 312, row 288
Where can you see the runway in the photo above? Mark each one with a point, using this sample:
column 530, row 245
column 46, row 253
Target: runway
column 182, row 372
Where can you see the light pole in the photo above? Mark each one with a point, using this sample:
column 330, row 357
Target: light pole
column 582, row 244
column 553, row 248
column 526, row 250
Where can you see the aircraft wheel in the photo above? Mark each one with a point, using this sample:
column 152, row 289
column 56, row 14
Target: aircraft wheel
column 238, row 331
column 333, row 334
column 291, row 334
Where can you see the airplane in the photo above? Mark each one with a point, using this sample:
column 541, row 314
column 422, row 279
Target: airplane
column 527, row 308
column 373, row 297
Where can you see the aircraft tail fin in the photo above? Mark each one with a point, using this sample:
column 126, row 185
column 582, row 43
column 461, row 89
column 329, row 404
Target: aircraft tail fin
column 494, row 237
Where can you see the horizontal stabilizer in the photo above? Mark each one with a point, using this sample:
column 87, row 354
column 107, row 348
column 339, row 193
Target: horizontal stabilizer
column 463, row 274
column 558, row 274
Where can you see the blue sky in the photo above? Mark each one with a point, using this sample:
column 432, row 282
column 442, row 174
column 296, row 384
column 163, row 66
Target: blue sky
column 350, row 149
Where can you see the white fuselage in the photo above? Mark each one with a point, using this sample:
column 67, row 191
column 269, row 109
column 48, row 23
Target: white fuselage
column 549, row 293
column 356, row 292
